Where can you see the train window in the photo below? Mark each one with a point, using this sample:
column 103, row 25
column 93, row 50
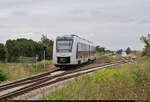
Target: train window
column 64, row 44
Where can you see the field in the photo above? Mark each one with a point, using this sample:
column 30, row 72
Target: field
column 125, row 82
column 98, row 54
column 19, row 70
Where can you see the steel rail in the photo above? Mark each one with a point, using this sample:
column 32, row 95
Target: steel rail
column 30, row 79
column 25, row 80
column 57, row 78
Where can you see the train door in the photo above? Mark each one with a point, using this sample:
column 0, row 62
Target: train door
column 78, row 54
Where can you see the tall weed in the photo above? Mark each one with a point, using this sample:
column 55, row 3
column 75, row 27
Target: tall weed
column 125, row 82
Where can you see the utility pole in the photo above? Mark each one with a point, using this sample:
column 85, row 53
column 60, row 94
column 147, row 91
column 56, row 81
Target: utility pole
column 36, row 61
column 44, row 55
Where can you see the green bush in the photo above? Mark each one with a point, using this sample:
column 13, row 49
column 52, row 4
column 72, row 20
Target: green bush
column 2, row 52
column 3, row 76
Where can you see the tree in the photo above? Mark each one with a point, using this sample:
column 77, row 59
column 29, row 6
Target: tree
column 100, row 49
column 23, row 47
column 2, row 52
column 108, row 51
column 128, row 51
column 119, row 51
column 97, row 48
column 48, row 45
column 146, row 41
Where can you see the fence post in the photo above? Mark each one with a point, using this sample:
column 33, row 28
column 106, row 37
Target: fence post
column 36, row 61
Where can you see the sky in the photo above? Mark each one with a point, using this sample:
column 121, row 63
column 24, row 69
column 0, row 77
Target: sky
column 113, row 24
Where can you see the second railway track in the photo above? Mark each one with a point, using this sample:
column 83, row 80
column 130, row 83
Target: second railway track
column 47, row 78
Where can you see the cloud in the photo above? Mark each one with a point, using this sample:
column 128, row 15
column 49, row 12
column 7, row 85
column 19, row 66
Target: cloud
column 114, row 24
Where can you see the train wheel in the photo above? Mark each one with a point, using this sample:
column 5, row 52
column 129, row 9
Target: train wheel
column 89, row 60
column 93, row 61
column 79, row 62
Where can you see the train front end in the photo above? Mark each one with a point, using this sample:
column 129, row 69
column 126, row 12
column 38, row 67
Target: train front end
column 63, row 51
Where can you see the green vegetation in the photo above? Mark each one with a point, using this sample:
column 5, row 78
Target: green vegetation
column 13, row 49
column 3, row 76
column 22, row 47
column 48, row 44
column 19, row 70
column 128, row 50
column 119, row 51
column 2, row 52
column 11, row 52
column 125, row 82
column 98, row 54
column 102, row 50
column 111, row 59
column 146, row 40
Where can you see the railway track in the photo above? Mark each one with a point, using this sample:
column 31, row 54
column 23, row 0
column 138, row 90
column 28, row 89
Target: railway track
column 33, row 78
column 25, row 80
column 31, row 83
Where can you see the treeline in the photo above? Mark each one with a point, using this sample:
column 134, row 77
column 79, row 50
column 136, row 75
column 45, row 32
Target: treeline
column 13, row 49
column 120, row 51
column 102, row 50
column 146, row 41
column 127, row 51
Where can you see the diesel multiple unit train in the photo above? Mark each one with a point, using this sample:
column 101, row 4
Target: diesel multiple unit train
column 71, row 50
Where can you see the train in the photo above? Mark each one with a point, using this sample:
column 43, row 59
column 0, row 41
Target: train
column 72, row 50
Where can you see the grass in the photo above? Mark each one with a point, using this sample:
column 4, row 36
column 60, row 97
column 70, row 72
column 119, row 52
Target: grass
column 19, row 70
column 125, row 82
column 98, row 54
column 112, row 58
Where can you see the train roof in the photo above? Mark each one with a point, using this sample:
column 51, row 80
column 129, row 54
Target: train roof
column 71, row 36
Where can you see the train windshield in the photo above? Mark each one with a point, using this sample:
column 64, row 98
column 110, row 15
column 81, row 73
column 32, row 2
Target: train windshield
column 64, row 44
